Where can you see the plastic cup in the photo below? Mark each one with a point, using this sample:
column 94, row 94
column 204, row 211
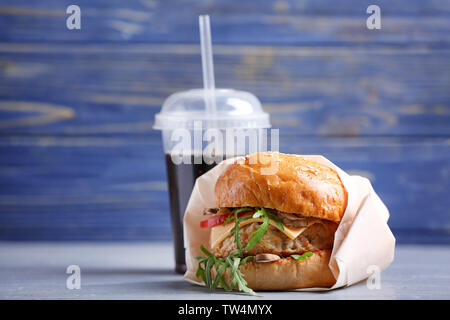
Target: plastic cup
column 196, row 139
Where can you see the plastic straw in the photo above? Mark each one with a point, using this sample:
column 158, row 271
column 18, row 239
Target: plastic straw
column 207, row 63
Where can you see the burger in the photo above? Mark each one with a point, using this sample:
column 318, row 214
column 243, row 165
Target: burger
column 272, row 231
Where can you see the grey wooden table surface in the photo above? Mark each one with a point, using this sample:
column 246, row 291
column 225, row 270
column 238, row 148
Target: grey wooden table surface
column 144, row 271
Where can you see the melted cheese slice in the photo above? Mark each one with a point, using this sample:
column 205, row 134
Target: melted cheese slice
column 219, row 233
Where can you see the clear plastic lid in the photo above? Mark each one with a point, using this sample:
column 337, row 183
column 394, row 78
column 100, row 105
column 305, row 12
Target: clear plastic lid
column 232, row 109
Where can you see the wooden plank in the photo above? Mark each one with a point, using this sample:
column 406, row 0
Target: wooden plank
column 111, row 89
column 268, row 22
column 79, row 159
column 114, row 188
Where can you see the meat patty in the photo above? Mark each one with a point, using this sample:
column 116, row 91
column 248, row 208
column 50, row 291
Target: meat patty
column 318, row 236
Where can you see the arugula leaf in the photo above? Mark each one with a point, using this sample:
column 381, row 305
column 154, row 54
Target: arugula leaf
column 237, row 238
column 238, row 277
column 229, row 219
column 200, row 272
column 258, row 234
column 258, row 213
column 303, row 256
column 236, row 258
column 246, row 259
column 236, row 230
column 208, row 270
column 264, row 227
column 274, row 217
column 205, row 251
column 220, row 268
column 235, row 213
column 232, row 262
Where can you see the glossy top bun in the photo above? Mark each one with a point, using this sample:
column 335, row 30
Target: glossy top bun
column 294, row 184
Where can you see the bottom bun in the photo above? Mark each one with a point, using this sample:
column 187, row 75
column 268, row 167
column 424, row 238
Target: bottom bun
column 288, row 273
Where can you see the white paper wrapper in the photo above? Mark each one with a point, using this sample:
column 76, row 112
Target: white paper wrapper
column 362, row 240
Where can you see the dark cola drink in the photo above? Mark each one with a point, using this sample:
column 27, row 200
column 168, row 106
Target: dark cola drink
column 181, row 179
column 196, row 122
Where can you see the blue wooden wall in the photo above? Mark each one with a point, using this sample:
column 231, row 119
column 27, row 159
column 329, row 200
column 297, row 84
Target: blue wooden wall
column 79, row 159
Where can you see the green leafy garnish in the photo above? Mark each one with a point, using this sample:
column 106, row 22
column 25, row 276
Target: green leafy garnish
column 257, row 236
column 237, row 238
column 273, row 217
column 229, row 219
column 220, row 265
column 304, row 256
column 236, row 230
column 236, row 258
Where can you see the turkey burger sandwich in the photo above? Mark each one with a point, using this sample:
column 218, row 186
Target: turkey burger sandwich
column 272, row 231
